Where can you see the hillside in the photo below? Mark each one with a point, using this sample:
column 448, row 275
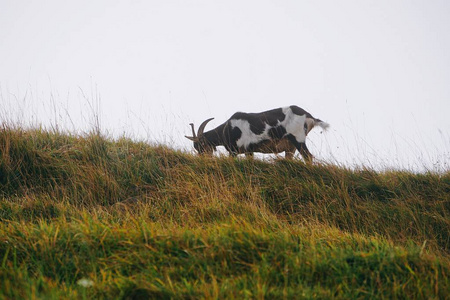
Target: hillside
column 91, row 217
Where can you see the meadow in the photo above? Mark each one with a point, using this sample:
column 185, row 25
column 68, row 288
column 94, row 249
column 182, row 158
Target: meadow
column 92, row 217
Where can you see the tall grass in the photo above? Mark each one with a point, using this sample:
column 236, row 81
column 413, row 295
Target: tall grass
column 88, row 216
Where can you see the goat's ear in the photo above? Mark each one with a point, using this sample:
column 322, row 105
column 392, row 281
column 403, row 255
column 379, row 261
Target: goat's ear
column 191, row 138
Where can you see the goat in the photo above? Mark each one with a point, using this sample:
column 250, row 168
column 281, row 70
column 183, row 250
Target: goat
column 264, row 132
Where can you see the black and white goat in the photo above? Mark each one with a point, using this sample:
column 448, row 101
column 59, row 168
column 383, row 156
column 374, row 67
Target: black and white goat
column 272, row 131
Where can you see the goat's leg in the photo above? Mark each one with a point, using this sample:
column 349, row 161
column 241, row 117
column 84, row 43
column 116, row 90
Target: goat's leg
column 288, row 154
column 301, row 147
column 290, row 151
column 232, row 151
column 307, row 156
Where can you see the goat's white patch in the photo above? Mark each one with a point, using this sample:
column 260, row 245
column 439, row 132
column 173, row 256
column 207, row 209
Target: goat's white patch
column 248, row 137
column 295, row 124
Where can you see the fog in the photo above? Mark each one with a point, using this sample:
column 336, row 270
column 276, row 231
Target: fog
column 377, row 71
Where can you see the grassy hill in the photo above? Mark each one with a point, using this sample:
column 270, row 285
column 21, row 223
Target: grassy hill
column 91, row 217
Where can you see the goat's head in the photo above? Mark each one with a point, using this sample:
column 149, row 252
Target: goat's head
column 201, row 143
column 309, row 125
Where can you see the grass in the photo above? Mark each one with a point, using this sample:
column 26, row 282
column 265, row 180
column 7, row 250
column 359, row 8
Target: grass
column 91, row 217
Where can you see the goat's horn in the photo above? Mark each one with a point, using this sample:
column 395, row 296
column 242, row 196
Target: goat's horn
column 202, row 127
column 191, row 138
column 193, row 131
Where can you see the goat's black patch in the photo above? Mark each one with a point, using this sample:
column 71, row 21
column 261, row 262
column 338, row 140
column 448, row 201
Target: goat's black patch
column 258, row 121
column 277, row 132
column 254, row 147
column 231, row 135
column 300, row 111
column 272, row 117
column 235, row 134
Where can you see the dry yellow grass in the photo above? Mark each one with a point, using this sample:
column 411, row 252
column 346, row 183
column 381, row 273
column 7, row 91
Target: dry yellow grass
column 87, row 216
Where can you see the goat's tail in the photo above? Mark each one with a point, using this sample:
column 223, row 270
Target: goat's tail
column 324, row 125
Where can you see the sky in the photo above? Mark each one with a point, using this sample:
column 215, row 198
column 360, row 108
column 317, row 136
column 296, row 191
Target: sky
column 377, row 71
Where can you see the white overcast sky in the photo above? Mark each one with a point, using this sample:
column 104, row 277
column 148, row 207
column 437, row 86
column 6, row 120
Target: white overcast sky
column 377, row 71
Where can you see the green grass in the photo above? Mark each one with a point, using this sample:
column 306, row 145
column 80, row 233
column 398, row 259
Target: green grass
column 135, row 221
